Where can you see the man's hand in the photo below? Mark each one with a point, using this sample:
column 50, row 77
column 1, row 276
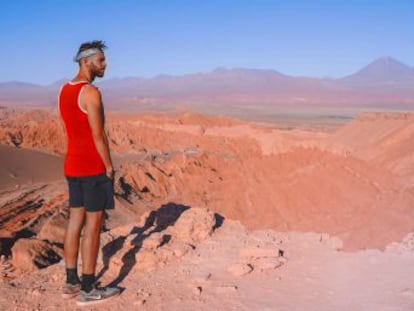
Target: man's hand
column 110, row 172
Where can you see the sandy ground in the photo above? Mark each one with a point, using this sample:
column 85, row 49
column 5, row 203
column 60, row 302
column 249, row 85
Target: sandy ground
column 313, row 276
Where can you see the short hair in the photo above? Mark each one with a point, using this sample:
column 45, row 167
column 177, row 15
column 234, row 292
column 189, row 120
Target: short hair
column 96, row 44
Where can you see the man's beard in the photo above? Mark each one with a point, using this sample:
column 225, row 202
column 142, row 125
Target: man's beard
column 97, row 72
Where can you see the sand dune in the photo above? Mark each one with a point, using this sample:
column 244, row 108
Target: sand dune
column 23, row 166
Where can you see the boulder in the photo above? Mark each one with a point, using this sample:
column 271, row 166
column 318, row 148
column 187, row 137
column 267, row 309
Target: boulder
column 194, row 225
column 33, row 254
column 53, row 229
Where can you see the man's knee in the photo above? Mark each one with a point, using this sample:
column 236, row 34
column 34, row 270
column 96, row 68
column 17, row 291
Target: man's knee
column 76, row 218
column 93, row 222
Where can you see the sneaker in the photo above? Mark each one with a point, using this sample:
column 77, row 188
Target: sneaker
column 71, row 290
column 97, row 295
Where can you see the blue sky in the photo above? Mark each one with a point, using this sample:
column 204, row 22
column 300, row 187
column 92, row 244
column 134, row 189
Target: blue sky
column 319, row 38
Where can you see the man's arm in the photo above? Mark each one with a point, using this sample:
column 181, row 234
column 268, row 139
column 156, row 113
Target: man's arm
column 92, row 103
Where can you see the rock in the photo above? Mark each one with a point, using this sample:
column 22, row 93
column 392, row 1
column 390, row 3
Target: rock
column 164, row 255
column 267, row 263
column 143, row 293
column 257, row 252
column 197, row 291
column 407, row 244
column 153, row 241
column 180, row 249
column 224, row 289
column 53, row 229
column 194, row 225
column 240, row 269
column 139, row 302
column 32, row 254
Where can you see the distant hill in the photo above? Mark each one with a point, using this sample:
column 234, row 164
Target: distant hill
column 383, row 75
column 384, row 82
column 17, row 85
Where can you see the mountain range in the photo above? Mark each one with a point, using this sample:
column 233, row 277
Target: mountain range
column 386, row 82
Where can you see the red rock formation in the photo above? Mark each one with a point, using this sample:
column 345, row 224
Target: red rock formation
column 355, row 182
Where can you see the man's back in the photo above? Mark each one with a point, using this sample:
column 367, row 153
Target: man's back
column 82, row 158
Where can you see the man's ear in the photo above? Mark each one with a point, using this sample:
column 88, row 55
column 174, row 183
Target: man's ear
column 83, row 61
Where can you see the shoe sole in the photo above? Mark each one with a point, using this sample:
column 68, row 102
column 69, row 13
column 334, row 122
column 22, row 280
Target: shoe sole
column 94, row 302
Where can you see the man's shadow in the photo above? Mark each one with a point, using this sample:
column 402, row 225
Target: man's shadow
column 161, row 218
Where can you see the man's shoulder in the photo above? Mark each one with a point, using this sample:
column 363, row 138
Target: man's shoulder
column 91, row 90
column 91, row 97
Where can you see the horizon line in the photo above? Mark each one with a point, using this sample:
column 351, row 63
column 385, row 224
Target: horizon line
column 213, row 70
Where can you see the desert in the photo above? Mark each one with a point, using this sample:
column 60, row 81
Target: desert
column 282, row 215
column 260, row 155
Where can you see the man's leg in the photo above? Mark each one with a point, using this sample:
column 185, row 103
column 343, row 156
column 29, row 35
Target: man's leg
column 71, row 242
column 90, row 247
column 95, row 200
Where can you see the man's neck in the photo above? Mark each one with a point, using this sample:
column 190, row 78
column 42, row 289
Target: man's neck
column 84, row 76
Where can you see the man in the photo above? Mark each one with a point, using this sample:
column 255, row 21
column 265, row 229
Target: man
column 89, row 171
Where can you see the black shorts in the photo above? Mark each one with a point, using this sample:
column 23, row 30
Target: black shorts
column 95, row 193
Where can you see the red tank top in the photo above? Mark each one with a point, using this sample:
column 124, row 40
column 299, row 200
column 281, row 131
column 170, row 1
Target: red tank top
column 82, row 158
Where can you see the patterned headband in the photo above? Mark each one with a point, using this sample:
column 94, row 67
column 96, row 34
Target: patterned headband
column 86, row 53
